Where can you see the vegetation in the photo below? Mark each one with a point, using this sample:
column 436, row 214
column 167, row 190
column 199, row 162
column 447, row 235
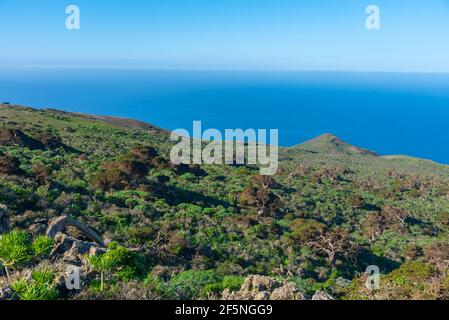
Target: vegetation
column 190, row 232
column 39, row 287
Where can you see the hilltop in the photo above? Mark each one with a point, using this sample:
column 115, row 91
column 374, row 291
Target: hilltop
column 213, row 231
column 330, row 144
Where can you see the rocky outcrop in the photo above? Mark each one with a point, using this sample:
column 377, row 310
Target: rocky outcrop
column 264, row 288
column 72, row 250
column 4, row 224
column 288, row 291
column 61, row 223
column 69, row 249
column 321, row 295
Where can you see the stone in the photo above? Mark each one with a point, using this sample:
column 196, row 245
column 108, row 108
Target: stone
column 257, row 287
column 263, row 295
column 96, row 251
column 321, row 295
column 72, row 250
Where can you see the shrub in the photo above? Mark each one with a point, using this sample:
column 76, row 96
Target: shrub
column 42, row 173
column 190, row 284
column 120, row 174
column 40, row 287
column 303, row 230
column 9, row 165
column 410, row 280
column 15, row 250
column 42, row 246
column 232, row 283
column 356, row 201
column 259, row 196
column 119, row 261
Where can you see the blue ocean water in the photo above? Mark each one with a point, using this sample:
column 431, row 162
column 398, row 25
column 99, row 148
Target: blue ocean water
column 385, row 112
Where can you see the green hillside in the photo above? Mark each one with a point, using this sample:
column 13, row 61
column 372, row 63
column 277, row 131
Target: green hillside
column 191, row 232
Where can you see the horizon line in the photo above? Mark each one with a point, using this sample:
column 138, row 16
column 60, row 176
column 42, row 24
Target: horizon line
column 217, row 69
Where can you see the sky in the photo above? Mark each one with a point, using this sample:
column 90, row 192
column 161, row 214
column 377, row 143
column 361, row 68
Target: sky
column 328, row 35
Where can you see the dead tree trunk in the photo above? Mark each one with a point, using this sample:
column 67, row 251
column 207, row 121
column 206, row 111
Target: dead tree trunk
column 59, row 224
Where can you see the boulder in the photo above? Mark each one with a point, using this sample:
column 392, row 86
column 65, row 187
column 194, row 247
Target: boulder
column 63, row 271
column 72, row 250
column 264, row 288
column 288, row 291
column 321, row 295
column 263, row 295
column 253, row 285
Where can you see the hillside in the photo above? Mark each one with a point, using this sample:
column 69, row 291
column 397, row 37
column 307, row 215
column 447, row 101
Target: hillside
column 215, row 231
column 330, row 144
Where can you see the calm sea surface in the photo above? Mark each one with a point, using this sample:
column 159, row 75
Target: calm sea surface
column 388, row 113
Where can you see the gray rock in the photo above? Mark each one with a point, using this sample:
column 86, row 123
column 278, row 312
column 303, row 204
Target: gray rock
column 288, row 291
column 263, row 295
column 321, row 295
column 72, row 250
column 264, row 288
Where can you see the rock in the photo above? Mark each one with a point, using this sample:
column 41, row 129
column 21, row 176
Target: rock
column 263, row 295
column 4, row 224
column 63, row 273
column 264, row 288
column 321, row 295
column 288, row 291
column 256, row 284
column 72, row 250
column 96, row 251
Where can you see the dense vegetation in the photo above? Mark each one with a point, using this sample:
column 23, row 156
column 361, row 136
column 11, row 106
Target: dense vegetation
column 187, row 232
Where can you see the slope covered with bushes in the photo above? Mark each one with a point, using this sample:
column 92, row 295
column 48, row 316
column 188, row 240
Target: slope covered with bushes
column 188, row 232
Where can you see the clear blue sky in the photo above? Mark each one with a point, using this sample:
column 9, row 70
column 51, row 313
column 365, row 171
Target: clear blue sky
column 228, row 34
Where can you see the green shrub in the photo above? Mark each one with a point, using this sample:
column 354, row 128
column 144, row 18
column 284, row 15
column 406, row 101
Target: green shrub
column 190, row 284
column 42, row 246
column 233, row 283
column 411, row 273
column 15, row 249
column 40, row 287
column 119, row 261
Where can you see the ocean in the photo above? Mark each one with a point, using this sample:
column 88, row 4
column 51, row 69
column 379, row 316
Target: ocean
column 389, row 113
